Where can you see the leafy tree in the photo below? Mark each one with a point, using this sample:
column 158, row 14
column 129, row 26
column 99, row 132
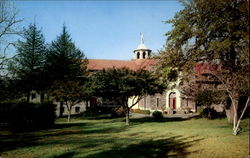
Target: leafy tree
column 28, row 64
column 70, row 92
column 123, row 84
column 65, row 64
column 216, row 33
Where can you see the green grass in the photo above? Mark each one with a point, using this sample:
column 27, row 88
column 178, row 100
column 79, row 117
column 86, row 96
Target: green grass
column 144, row 138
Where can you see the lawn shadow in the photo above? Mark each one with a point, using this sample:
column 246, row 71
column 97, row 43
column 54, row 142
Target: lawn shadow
column 175, row 146
column 65, row 155
column 151, row 119
column 68, row 125
column 13, row 141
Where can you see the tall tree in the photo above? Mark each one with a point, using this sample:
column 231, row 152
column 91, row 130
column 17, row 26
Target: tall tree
column 28, row 64
column 123, row 84
column 216, row 33
column 65, row 64
column 64, row 60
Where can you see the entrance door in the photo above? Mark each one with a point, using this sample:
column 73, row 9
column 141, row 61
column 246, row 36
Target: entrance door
column 172, row 100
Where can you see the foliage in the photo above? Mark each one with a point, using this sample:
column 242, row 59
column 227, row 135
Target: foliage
column 27, row 66
column 157, row 115
column 123, row 84
column 208, row 97
column 217, row 34
column 64, row 60
column 118, row 112
column 209, row 113
column 70, row 92
column 66, row 71
column 140, row 111
column 27, row 116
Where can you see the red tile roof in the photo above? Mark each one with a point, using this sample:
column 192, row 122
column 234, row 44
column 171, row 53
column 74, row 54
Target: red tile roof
column 100, row 64
column 206, row 68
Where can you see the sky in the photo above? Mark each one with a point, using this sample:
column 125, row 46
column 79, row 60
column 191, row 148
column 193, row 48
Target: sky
column 103, row 29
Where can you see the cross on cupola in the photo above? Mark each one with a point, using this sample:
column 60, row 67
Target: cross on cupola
column 142, row 52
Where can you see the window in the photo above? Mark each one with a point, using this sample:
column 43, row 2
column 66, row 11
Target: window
column 33, row 96
column 77, row 109
column 157, row 102
column 144, row 55
column 138, row 55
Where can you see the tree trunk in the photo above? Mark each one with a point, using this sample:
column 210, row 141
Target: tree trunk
column 69, row 114
column 28, row 97
column 61, row 109
column 230, row 114
column 127, row 116
column 235, row 104
column 238, row 123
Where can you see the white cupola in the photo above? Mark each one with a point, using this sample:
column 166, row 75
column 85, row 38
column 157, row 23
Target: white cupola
column 142, row 52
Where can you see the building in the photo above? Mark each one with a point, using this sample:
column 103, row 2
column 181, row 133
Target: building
column 170, row 101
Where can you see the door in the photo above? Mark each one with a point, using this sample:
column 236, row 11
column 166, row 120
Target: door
column 172, row 100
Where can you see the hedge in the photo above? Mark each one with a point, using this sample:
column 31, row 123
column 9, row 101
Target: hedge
column 27, row 116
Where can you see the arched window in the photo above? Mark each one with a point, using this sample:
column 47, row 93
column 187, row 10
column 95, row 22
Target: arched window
column 138, row 55
column 144, row 55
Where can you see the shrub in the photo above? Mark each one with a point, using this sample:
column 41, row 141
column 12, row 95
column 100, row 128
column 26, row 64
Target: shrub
column 27, row 116
column 118, row 112
column 210, row 114
column 140, row 111
column 157, row 115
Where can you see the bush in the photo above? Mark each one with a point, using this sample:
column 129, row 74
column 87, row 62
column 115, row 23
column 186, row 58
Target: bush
column 140, row 111
column 118, row 112
column 27, row 116
column 210, row 114
column 157, row 115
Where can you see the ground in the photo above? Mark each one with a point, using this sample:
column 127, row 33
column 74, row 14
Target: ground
column 145, row 138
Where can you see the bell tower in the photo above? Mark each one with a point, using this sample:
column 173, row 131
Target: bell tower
column 142, row 52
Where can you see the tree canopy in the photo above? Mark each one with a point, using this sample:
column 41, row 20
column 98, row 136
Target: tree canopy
column 28, row 64
column 64, row 60
column 216, row 33
column 66, row 70
column 123, row 84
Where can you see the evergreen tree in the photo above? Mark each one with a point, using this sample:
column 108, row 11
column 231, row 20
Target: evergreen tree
column 64, row 60
column 29, row 61
column 65, row 64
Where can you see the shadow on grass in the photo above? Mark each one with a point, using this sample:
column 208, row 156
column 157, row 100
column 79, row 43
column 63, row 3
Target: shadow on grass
column 13, row 141
column 164, row 119
column 68, row 125
column 64, row 155
column 175, row 146
column 151, row 119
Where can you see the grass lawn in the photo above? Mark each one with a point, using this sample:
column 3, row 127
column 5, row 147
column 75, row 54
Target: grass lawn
column 144, row 138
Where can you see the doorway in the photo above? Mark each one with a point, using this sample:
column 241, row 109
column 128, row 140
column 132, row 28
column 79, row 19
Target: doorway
column 172, row 100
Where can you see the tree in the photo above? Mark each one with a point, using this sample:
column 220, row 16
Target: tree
column 8, row 28
column 215, row 33
column 70, row 92
column 28, row 64
column 64, row 60
column 123, row 84
column 65, row 64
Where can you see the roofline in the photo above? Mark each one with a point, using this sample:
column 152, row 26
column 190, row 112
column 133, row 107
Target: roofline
column 143, row 49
